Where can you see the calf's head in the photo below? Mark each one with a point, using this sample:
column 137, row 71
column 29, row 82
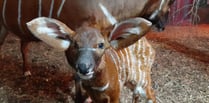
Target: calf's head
column 86, row 45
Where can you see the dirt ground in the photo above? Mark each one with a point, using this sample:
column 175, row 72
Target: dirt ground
column 180, row 73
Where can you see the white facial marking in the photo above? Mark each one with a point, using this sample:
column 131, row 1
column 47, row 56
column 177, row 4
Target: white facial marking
column 140, row 90
column 101, row 89
column 19, row 15
column 3, row 12
column 87, row 76
column 85, row 49
column 111, row 19
column 51, row 9
column 60, row 8
column 39, row 7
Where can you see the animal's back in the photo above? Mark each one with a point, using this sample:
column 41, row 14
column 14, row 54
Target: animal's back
column 16, row 13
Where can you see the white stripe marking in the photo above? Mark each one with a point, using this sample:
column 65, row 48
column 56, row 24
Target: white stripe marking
column 122, row 63
column 144, row 54
column 117, row 62
column 51, row 9
column 140, row 63
column 144, row 78
column 138, row 60
column 161, row 4
column 19, row 15
column 141, row 78
column 3, row 12
column 128, row 62
column 39, row 8
column 60, row 8
column 101, row 89
column 114, row 60
column 111, row 19
column 122, row 71
column 132, row 59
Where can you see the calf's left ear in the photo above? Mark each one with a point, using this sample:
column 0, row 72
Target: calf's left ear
column 52, row 32
column 128, row 32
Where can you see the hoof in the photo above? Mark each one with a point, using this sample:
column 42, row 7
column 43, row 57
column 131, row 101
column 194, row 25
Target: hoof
column 27, row 73
column 150, row 101
column 88, row 100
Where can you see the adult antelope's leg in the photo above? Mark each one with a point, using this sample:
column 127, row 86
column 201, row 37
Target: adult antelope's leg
column 24, row 51
column 3, row 34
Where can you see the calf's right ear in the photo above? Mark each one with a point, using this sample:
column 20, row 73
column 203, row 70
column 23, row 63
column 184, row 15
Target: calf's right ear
column 51, row 31
column 127, row 32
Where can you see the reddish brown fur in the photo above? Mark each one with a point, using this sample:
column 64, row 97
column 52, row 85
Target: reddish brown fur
column 107, row 71
column 108, row 74
column 95, row 66
column 74, row 14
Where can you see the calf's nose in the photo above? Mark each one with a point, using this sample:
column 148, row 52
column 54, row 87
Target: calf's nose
column 84, row 68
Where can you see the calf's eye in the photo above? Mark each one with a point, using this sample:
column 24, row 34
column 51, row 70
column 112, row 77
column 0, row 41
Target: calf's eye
column 101, row 45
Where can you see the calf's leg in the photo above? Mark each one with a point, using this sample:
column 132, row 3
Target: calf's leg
column 150, row 93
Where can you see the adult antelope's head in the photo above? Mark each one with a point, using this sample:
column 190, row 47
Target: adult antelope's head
column 86, row 45
column 160, row 15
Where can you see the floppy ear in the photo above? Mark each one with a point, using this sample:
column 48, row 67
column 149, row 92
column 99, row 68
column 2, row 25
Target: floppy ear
column 51, row 31
column 128, row 32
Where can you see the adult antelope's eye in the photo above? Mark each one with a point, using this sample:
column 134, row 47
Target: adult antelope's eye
column 101, row 45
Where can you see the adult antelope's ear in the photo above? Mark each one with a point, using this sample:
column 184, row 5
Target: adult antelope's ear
column 51, row 31
column 128, row 32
